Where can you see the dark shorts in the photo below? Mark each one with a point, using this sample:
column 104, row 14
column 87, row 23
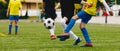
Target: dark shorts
column 85, row 17
column 67, row 9
column 14, row 17
column 50, row 11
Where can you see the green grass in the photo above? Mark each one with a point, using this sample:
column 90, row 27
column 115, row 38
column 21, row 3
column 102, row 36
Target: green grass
column 34, row 37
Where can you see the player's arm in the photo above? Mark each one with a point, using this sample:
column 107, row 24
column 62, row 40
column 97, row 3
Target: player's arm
column 8, row 9
column 107, row 7
column 57, row 6
column 86, row 4
column 83, row 2
column 20, row 9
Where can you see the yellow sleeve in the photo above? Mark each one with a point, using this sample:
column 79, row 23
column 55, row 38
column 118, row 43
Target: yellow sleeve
column 100, row 0
column 77, row 6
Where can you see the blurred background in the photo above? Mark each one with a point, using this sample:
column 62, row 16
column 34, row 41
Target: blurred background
column 32, row 9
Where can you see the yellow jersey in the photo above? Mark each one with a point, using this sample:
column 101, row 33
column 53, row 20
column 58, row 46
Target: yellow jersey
column 91, row 10
column 14, row 7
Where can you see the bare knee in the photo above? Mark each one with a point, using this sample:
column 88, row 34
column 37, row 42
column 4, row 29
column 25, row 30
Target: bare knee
column 16, row 22
column 75, row 17
column 11, row 22
column 82, row 25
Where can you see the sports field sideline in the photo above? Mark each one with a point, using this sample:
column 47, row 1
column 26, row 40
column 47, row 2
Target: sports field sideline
column 97, row 19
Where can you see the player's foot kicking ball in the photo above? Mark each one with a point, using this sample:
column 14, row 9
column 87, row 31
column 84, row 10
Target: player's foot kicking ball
column 53, row 37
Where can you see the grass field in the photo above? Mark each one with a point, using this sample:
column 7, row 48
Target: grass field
column 34, row 37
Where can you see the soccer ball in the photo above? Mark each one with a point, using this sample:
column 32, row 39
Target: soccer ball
column 49, row 23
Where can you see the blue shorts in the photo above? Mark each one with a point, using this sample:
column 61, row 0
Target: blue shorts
column 85, row 17
column 13, row 17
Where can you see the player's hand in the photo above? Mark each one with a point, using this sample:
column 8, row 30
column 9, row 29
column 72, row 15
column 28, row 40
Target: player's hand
column 7, row 15
column 43, row 10
column 83, row 2
column 20, row 14
column 90, row 5
column 111, row 13
column 56, row 8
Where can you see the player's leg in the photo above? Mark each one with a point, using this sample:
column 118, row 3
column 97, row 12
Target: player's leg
column 63, row 23
column 85, row 18
column 67, row 14
column 10, row 23
column 65, row 34
column 52, row 34
column 71, row 24
column 10, row 27
column 85, row 34
column 53, row 16
column 16, row 24
column 81, row 15
column 50, row 13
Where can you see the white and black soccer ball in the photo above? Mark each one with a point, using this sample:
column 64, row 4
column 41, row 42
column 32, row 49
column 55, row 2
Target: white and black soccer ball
column 49, row 23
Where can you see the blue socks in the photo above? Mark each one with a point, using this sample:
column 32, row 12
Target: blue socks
column 84, row 31
column 70, row 25
column 16, row 28
column 85, row 34
column 10, row 28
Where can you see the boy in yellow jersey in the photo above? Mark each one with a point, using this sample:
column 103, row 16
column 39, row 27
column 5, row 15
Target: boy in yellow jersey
column 13, row 14
column 89, row 9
